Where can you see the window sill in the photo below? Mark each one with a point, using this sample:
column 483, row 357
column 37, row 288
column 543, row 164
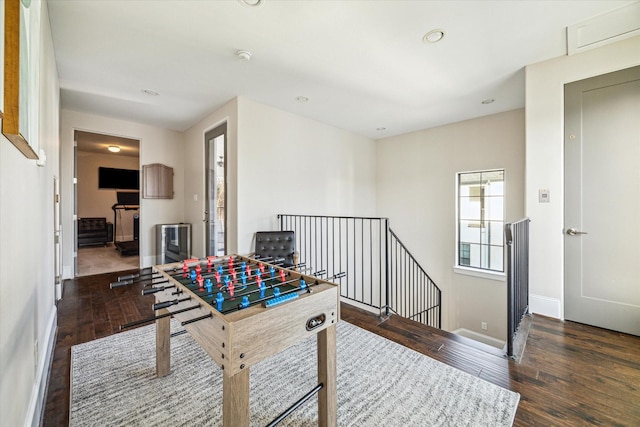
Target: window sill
column 484, row 274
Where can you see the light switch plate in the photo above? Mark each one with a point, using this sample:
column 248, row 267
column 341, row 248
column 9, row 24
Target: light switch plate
column 543, row 195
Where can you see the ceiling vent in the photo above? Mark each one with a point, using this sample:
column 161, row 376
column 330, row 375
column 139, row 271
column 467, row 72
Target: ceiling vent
column 607, row 28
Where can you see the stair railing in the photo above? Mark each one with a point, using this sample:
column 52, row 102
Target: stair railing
column 517, row 240
column 379, row 270
column 412, row 292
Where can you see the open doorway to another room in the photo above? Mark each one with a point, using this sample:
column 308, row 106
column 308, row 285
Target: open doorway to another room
column 107, row 177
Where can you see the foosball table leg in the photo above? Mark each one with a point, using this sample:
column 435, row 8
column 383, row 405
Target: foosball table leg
column 235, row 399
column 327, row 397
column 163, row 344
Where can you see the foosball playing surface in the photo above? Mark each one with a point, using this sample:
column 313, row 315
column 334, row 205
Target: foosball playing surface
column 235, row 283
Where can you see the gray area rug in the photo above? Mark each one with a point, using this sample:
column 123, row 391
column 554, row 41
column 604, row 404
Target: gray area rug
column 380, row 383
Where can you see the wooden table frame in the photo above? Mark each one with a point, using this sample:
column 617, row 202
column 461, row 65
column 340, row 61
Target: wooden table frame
column 238, row 340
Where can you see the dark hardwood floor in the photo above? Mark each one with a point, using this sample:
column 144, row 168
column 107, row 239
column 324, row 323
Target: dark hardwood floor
column 89, row 309
column 570, row 374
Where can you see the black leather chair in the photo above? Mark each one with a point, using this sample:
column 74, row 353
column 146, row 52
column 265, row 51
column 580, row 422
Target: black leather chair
column 277, row 245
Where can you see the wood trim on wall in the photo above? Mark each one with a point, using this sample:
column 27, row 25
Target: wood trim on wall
column 11, row 118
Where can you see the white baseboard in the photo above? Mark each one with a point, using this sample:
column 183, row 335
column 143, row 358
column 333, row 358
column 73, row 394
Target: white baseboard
column 485, row 339
column 147, row 261
column 545, row 306
column 67, row 272
column 38, row 394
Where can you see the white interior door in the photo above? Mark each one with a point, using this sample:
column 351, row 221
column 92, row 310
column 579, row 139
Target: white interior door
column 602, row 201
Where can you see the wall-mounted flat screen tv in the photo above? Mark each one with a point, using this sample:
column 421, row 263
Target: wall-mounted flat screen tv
column 122, row 179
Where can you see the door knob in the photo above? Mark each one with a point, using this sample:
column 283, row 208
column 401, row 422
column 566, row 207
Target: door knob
column 573, row 232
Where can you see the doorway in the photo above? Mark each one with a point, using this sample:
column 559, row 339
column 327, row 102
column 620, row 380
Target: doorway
column 106, row 169
column 602, row 201
column 215, row 214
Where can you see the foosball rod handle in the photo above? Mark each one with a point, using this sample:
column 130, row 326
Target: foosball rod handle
column 120, row 283
column 141, row 272
column 142, row 277
column 166, row 304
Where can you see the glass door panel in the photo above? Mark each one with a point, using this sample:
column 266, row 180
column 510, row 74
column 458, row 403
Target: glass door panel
column 215, row 209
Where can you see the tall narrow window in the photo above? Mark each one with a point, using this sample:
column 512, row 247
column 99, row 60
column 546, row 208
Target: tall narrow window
column 481, row 220
column 216, row 201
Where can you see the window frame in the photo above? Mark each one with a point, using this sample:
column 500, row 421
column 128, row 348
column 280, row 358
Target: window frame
column 472, row 270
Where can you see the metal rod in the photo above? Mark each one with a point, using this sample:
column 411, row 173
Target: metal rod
column 146, row 285
column 259, row 300
column 144, row 274
column 154, row 290
column 387, row 284
column 127, row 282
column 134, row 275
column 197, row 319
column 175, row 334
column 213, row 271
column 154, row 318
column 295, row 406
column 268, row 279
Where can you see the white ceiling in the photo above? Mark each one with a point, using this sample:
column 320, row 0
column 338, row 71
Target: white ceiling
column 362, row 64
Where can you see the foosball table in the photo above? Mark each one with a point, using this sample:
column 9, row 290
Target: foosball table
column 241, row 311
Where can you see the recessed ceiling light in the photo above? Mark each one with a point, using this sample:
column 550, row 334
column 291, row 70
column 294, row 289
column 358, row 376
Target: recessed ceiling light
column 245, row 55
column 149, row 92
column 114, row 148
column 302, row 99
column 381, row 129
column 433, row 36
column 488, row 101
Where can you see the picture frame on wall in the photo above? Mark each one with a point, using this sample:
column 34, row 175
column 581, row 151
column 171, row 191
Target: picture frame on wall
column 20, row 77
column 2, row 56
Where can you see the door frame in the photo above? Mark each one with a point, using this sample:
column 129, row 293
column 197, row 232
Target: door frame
column 219, row 129
column 625, row 75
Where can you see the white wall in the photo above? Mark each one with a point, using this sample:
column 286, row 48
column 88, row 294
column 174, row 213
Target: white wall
column 293, row 165
column 544, row 161
column 278, row 162
column 27, row 309
column 156, row 146
column 194, row 178
column 416, row 190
